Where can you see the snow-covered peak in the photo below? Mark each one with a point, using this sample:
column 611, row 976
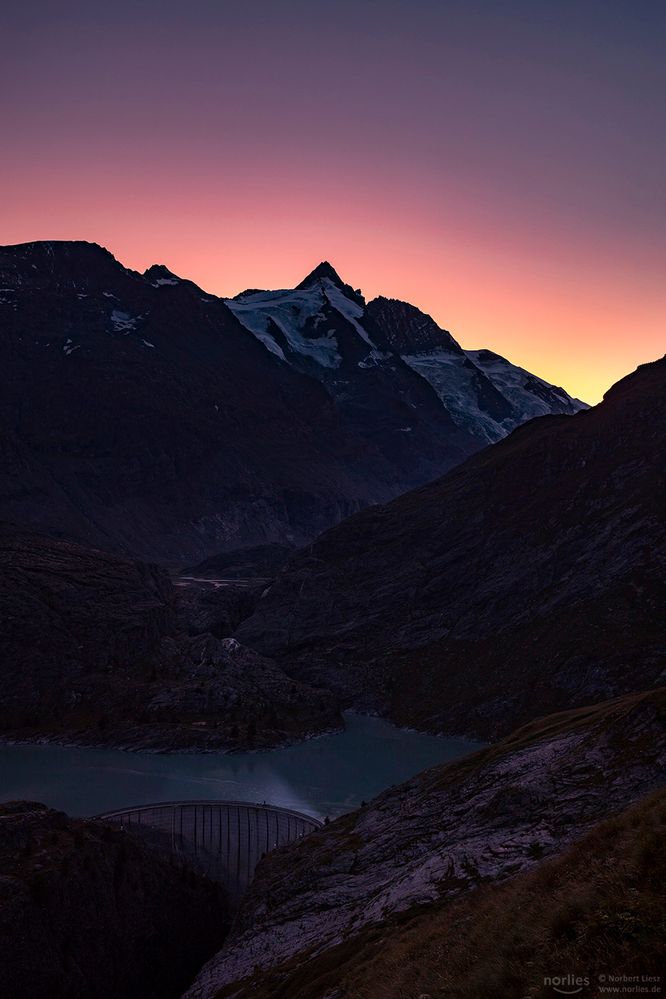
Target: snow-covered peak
column 323, row 325
column 304, row 323
column 289, row 322
column 325, row 274
column 322, row 270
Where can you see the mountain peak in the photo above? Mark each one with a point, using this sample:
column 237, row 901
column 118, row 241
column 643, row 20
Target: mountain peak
column 327, row 272
column 322, row 270
column 160, row 274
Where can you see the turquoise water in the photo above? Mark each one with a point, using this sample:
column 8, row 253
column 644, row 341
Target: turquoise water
column 325, row 776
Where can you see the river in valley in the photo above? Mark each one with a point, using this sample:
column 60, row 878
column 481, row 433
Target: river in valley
column 328, row 775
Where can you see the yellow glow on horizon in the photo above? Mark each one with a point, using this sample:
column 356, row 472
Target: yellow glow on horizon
column 577, row 313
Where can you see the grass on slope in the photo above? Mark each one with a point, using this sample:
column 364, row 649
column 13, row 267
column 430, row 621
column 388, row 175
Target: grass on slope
column 598, row 909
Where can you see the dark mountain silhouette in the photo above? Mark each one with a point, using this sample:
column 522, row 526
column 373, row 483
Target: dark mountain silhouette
column 530, row 579
column 139, row 415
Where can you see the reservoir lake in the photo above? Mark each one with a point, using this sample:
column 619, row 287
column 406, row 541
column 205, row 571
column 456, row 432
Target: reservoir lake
column 326, row 776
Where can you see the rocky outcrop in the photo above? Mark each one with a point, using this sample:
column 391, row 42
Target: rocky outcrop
column 85, row 910
column 408, row 330
column 209, row 694
column 438, row 837
column 213, row 607
column 569, row 924
column 590, row 916
column 100, row 650
column 530, row 579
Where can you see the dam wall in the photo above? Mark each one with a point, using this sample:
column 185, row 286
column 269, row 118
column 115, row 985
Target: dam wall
column 223, row 839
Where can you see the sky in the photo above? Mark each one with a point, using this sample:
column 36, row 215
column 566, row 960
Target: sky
column 499, row 164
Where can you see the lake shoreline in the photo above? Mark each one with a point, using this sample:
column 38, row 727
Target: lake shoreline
column 170, row 749
column 327, row 775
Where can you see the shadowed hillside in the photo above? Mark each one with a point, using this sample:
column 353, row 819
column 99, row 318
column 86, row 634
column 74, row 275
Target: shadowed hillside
column 100, row 649
column 529, row 579
column 87, row 911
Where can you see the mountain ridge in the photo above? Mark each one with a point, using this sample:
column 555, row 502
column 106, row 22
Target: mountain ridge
column 145, row 416
column 124, row 423
column 481, row 392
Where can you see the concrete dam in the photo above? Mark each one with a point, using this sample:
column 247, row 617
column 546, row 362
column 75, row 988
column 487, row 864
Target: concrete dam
column 224, row 840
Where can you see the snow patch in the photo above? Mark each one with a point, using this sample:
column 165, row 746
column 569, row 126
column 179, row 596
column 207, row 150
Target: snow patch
column 374, row 358
column 453, row 381
column 351, row 311
column 290, row 311
column 122, row 321
column 459, row 380
column 530, row 395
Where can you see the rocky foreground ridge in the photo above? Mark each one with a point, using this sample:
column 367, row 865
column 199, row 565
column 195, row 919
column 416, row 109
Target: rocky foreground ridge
column 328, row 914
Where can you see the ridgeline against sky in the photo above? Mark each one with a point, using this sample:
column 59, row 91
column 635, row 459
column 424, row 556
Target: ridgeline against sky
column 500, row 165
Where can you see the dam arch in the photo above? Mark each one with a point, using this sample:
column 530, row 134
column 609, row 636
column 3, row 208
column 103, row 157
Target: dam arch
column 225, row 840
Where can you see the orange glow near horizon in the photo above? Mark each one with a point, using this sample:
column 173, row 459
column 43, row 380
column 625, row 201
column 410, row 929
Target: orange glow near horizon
column 540, row 305
column 503, row 170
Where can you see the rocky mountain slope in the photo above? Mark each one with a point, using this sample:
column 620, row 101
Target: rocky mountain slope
column 530, row 579
column 142, row 415
column 86, row 911
column 597, row 910
column 343, row 894
column 484, row 393
column 98, row 649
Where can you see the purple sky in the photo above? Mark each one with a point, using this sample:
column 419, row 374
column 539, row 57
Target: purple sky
column 500, row 164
